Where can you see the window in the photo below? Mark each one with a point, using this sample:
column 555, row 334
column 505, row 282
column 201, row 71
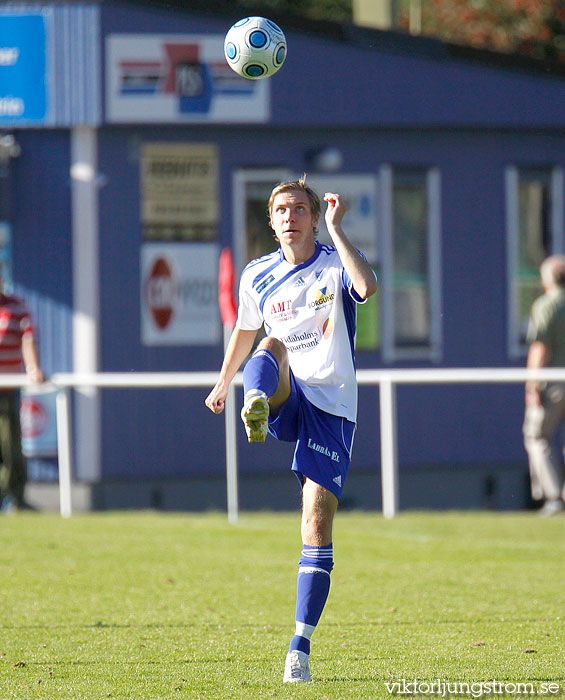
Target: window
column 410, row 231
column 253, row 237
column 534, row 204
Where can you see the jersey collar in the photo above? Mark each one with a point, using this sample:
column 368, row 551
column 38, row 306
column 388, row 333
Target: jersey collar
column 310, row 260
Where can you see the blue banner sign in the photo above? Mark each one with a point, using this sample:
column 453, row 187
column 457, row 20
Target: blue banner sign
column 23, row 68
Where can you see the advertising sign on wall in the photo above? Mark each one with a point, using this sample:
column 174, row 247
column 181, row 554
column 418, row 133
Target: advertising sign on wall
column 179, row 294
column 178, row 78
column 179, row 191
column 23, row 68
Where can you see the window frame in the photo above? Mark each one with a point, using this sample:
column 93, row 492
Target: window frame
column 391, row 352
column 516, row 348
column 240, row 178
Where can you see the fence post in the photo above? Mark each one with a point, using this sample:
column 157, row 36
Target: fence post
column 231, row 446
column 64, row 451
column 231, row 456
column 389, row 448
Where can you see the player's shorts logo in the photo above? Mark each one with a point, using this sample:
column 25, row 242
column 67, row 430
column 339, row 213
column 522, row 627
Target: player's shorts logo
column 332, row 454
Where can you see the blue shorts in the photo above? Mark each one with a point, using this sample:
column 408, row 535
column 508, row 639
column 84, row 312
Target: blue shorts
column 323, row 441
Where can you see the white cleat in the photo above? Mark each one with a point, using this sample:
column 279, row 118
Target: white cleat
column 296, row 668
column 255, row 415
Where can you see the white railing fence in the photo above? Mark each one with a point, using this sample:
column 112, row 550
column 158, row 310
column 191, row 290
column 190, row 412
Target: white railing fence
column 386, row 379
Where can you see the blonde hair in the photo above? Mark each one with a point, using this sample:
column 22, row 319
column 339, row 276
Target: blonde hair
column 297, row 186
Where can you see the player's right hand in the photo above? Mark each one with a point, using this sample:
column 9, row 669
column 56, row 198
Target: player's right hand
column 216, row 399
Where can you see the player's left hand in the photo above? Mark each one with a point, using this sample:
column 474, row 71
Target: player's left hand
column 335, row 211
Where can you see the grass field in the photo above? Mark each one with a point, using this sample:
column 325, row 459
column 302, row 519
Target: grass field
column 147, row 606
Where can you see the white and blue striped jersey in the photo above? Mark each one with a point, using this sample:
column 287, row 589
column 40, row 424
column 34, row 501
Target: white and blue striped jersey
column 311, row 308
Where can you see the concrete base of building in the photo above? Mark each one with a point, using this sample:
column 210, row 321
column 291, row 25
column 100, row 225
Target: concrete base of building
column 434, row 487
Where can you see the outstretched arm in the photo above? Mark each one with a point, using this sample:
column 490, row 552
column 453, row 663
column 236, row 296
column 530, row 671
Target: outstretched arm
column 358, row 269
column 238, row 348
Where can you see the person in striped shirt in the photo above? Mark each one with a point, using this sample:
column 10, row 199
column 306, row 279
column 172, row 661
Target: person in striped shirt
column 17, row 353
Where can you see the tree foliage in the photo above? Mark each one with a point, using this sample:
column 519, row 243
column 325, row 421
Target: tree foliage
column 532, row 27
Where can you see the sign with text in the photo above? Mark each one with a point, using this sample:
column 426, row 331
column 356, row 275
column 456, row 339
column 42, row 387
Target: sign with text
column 178, row 78
column 179, row 294
column 23, row 68
column 179, row 191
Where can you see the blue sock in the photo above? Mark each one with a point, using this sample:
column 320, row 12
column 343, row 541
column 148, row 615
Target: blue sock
column 312, row 589
column 261, row 372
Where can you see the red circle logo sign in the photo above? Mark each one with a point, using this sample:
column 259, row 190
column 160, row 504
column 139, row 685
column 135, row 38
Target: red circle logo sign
column 33, row 418
column 160, row 292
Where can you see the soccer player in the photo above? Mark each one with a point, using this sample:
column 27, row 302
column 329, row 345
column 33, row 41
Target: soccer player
column 299, row 384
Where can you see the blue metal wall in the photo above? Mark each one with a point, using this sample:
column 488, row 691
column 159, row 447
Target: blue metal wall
column 377, row 78
column 379, row 105
column 38, row 181
column 437, row 424
column 41, row 214
column 72, row 60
